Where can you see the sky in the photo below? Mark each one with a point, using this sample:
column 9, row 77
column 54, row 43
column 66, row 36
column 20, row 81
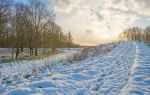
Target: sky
column 92, row 22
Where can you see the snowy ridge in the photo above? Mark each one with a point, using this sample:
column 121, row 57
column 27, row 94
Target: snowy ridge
column 139, row 82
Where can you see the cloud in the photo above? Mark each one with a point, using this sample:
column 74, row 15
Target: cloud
column 99, row 19
column 88, row 32
column 143, row 3
column 62, row 4
column 142, row 7
column 87, row 37
column 116, row 2
column 67, row 6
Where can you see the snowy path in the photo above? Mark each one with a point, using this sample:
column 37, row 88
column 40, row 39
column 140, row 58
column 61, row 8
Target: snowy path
column 103, row 75
column 139, row 81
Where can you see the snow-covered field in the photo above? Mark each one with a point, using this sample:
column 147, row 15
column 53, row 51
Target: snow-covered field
column 6, row 53
column 20, row 68
column 139, row 79
column 123, row 71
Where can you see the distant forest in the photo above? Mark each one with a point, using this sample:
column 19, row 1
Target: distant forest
column 30, row 25
column 136, row 34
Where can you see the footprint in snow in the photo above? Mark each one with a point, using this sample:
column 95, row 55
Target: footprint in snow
column 77, row 70
column 79, row 77
column 97, row 86
column 137, row 92
column 44, row 84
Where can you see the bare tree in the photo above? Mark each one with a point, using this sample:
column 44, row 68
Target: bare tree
column 134, row 34
column 4, row 17
column 69, row 39
column 40, row 14
column 147, row 34
column 31, row 25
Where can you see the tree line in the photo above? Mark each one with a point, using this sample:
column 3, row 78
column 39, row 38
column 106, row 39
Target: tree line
column 136, row 34
column 30, row 25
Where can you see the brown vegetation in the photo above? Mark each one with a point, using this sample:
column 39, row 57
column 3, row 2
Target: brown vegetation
column 136, row 34
column 30, row 25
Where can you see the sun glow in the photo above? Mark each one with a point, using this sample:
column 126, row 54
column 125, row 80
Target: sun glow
column 105, row 19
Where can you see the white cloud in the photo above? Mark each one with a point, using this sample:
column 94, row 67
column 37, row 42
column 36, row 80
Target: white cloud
column 104, row 18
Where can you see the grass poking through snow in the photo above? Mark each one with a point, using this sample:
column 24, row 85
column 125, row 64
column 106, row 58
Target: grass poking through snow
column 49, row 53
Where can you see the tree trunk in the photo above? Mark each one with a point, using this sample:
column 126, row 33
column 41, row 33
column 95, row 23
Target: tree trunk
column 17, row 52
column 31, row 51
column 53, row 49
column 36, row 51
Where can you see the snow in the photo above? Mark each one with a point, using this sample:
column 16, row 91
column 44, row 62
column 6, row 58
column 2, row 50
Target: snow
column 139, row 81
column 123, row 71
column 26, row 67
column 6, row 53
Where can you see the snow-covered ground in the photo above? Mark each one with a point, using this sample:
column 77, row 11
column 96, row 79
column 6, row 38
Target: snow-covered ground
column 139, row 79
column 6, row 53
column 124, row 71
column 27, row 67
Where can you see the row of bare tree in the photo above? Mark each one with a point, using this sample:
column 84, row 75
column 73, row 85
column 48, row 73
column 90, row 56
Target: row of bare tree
column 136, row 34
column 30, row 25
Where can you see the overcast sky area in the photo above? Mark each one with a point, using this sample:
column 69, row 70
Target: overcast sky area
column 92, row 22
